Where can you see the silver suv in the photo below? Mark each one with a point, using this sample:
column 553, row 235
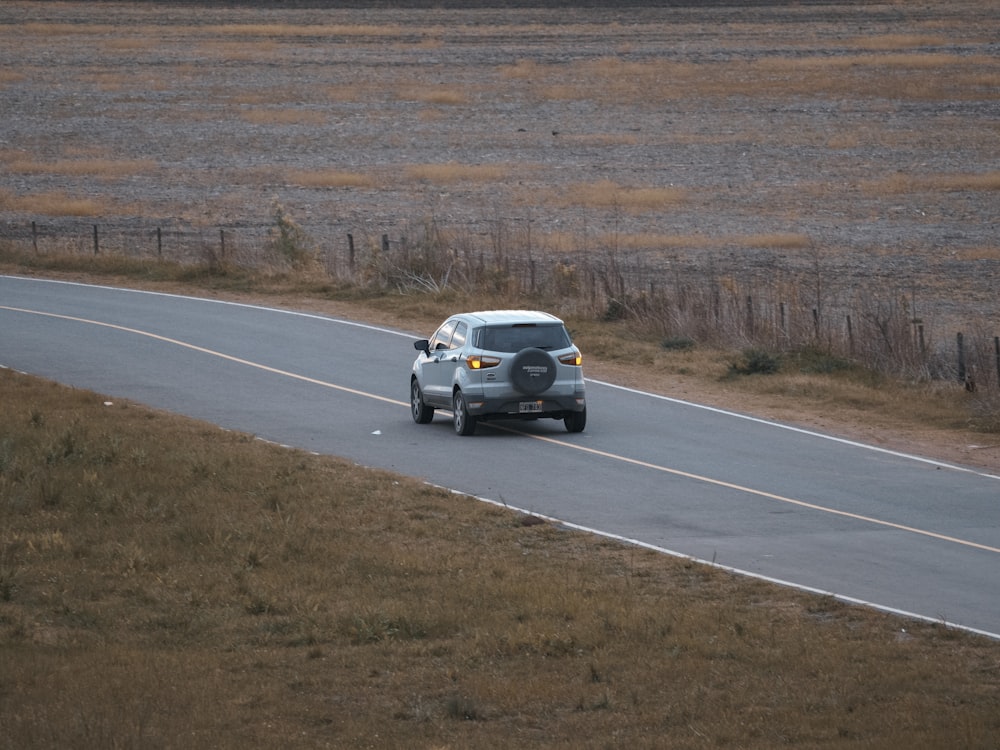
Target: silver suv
column 502, row 364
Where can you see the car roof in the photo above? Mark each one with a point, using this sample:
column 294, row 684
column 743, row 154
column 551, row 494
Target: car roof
column 501, row 317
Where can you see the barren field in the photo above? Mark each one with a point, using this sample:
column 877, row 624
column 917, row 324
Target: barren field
column 857, row 143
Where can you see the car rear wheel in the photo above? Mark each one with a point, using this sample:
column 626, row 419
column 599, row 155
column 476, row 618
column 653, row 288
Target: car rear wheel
column 465, row 423
column 532, row 371
column 576, row 420
column 422, row 413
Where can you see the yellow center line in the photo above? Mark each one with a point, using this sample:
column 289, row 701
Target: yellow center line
column 544, row 439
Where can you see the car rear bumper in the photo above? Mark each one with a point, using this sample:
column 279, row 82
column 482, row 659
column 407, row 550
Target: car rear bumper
column 525, row 407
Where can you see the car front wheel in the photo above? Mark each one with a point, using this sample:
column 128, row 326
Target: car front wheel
column 576, row 421
column 422, row 413
column 465, row 423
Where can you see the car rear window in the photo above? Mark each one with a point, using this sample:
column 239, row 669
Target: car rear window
column 514, row 338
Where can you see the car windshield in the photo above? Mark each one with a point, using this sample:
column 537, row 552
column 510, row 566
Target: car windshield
column 517, row 337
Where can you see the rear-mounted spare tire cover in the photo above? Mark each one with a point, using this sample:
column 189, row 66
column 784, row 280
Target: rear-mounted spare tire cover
column 532, row 371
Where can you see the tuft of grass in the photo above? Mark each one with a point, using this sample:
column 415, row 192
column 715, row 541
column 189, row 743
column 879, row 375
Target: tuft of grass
column 678, row 343
column 756, row 362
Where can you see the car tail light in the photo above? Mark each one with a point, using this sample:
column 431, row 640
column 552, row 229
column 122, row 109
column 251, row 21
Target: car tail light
column 479, row 362
column 574, row 358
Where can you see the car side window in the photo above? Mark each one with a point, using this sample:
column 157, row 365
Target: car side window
column 442, row 337
column 458, row 340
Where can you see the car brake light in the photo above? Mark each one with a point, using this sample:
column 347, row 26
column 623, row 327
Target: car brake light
column 479, row 362
column 575, row 358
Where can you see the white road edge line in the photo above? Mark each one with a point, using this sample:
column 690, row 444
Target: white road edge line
column 727, row 568
column 800, row 430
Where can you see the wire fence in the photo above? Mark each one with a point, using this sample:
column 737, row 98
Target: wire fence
column 733, row 304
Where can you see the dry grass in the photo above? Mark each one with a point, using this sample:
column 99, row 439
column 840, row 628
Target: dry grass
column 283, row 116
column 330, row 178
column 55, row 203
column 893, row 75
column 948, row 183
column 160, row 578
column 298, row 30
column 607, row 194
column 453, row 172
column 101, row 169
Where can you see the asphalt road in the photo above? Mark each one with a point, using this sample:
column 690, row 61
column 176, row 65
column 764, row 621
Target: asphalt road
column 899, row 532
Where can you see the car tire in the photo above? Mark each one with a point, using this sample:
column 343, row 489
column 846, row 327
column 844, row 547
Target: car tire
column 576, row 420
column 422, row 413
column 465, row 423
column 532, row 371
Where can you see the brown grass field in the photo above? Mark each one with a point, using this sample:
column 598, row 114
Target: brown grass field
column 167, row 584
column 164, row 583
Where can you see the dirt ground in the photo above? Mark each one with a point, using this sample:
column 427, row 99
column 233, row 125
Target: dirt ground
column 856, row 143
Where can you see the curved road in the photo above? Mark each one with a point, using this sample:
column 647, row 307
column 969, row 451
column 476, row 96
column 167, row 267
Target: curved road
column 899, row 532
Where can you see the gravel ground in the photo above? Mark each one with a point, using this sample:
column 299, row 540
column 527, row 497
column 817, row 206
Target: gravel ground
column 859, row 139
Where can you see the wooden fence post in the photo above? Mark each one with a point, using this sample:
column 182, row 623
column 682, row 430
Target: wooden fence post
column 34, row 237
column 350, row 251
column 159, row 243
column 961, row 358
column 996, row 348
column 222, row 243
column 96, row 244
column 850, row 336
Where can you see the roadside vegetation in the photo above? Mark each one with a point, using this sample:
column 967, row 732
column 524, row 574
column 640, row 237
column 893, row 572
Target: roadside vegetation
column 165, row 582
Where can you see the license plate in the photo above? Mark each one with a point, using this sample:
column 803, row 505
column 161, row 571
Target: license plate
column 527, row 407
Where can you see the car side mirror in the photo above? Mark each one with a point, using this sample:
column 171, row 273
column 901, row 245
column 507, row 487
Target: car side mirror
column 423, row 345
